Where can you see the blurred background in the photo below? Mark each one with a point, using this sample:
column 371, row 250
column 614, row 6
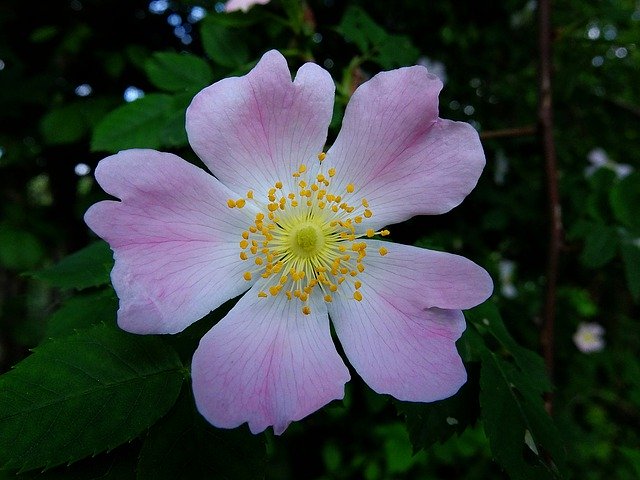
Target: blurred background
column 80, row 79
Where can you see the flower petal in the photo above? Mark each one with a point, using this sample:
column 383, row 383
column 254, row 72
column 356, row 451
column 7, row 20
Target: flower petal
column 422, row 278
column 174, row 240
column 401, row 337
column 254, row 130
column 244, row 5
column 266, row 363
column 399, row 154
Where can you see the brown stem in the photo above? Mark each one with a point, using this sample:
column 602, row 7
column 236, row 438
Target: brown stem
column 525, row 131
column 545, row 123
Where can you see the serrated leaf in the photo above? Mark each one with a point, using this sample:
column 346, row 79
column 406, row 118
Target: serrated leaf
column 84, row 394
column 184, row 446
column 429, row 423
column 138, row 124
column 522, row 436
column 83, row 311
column 86, row 268
column 178, row 72
column 486, row 318
column 223, row 45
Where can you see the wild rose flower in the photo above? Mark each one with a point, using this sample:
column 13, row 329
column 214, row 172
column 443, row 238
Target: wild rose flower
column 297, row 228
column 244, row 5
column 588, row 337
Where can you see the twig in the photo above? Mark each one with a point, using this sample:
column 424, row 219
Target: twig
column 526, row 131
column 545, row 119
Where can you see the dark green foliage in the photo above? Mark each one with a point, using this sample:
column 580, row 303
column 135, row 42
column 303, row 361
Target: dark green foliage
column 83, row 394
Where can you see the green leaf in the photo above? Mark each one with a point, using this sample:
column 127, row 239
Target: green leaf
column 389, row 51
column 185, row 446
column 600, row 246
column 71, row 122
column 83, row 311
column 631, row 261
column 19, row 250
column 84, row 394
column 86, row 268
column 522, row 436
column 223, row 45
column 139, row 124
column 178, row 72
column 625, row 198
column 429, row 423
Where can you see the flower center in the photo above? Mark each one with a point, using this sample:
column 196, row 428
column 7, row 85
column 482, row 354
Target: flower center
column 307, row 240
column 304, row 239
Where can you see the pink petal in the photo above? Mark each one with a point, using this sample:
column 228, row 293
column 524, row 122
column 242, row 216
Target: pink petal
column 266, row 363
column 422, row 278
column 401, row 337
column 244, row 5
column 254, row 130
column 175, row 241
column 399, row 154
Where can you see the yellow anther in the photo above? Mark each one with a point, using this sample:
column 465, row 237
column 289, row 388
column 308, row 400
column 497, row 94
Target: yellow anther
column 360, row 267
column 283, row 279
column 368, row 213
column 231, row 203
column 303, row 168
column 274, row 290
column 244, row 244
column 365, row 204
column 320, row 178
column 291, row 196
column 288, row 294
column 259, row 217
column 240, row 202
column 243, row 255
column 259, row 261
column 302, row 184
column 370, row 232
column 274, row 206
column 254, row 249
column 384, row 233
column 333, row 287
column 245, row 235
column 322, row 156
column 332, row 172
column 383, row 251
column 278, row 184
column 357, row 295
column 306, row 310
column 294, row 203
column 357, row 284
column 304, row 296
column 250, row 194
column 334, row 208
column 358, row 219
column 327, row 298
column 314, row 187
column 350, row 188
column 262, row 294
column 247, row 276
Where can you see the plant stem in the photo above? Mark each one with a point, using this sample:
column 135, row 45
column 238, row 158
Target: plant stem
column 545, row 125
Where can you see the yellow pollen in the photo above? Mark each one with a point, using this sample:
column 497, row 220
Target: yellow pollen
column 306, row 241
column 322, row 156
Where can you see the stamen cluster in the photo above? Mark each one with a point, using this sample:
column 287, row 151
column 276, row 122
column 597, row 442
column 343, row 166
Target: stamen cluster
column 305, row 237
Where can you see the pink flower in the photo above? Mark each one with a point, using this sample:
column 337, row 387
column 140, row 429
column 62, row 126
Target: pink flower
column 294, row 227
column 244, row 5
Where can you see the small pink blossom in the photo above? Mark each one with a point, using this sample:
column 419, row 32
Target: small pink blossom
column 244, row 5
column 588, row 337
column 293, row 229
